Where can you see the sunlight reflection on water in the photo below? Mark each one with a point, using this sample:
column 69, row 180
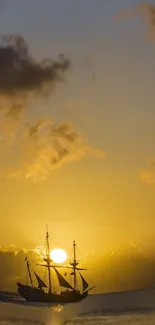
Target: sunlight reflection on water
column 148, row 319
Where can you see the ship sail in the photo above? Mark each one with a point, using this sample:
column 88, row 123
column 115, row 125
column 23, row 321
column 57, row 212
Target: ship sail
column 62, row 281
column 38, row 293
column 41, row 284
column 84, row 283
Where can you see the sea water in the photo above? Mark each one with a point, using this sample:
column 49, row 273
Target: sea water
column 135, row 308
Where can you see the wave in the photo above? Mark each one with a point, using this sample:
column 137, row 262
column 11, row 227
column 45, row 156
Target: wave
column 136, row 319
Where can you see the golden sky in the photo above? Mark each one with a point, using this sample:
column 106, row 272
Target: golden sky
column 100, row 190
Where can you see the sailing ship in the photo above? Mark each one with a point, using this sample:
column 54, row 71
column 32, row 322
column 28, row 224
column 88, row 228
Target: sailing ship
column 45, row 293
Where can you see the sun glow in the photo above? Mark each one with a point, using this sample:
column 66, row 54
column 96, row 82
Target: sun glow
column 58, row 255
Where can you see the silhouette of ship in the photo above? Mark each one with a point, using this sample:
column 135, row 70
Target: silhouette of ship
column 44, row 293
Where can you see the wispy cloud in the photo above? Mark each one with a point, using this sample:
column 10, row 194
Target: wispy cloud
column 148, row 175
column 146, row 11
column 46, row 146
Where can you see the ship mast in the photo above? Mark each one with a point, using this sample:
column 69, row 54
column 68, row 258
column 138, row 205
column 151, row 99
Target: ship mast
column 29, row 272
column 74, row 263
column 48, row 259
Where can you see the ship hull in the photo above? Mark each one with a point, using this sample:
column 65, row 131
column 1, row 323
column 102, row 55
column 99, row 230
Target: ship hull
column 36, row 295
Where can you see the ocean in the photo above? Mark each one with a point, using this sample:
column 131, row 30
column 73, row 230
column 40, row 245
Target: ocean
column 136, row 307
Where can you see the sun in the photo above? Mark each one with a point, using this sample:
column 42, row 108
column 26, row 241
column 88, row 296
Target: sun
column 58, row 255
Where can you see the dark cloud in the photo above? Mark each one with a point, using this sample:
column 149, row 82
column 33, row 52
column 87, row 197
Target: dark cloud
column 12, row 269
column 23, row 79
column 128, row 268
column 20, row 73
column 125, row 269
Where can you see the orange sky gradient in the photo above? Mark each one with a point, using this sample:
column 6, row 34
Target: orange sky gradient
column 102, row 195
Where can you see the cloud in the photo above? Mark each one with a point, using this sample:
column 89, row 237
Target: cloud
column 137, row 268
column 148, row 175
column 146, row 11
column 24, row 79
column 22, row 74
column 33, row 149
column 13, row 267
column 46, row 146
